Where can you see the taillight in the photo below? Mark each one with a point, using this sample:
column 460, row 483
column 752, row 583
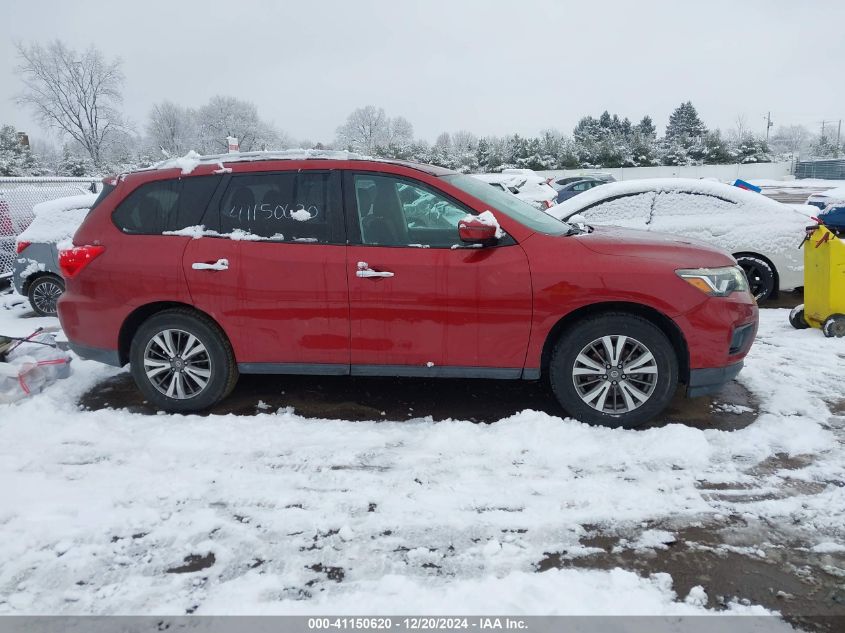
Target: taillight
column 72, row 260
column 21, row 245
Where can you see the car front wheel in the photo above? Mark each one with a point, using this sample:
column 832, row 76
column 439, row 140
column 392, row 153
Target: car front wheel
column 182, row 362
column 760, row 275
column 616, row 370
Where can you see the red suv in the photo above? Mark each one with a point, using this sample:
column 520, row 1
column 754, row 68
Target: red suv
column 331, row 264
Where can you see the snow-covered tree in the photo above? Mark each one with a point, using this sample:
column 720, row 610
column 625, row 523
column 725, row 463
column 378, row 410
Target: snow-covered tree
column 790, row 140
column 365, row 129
column 16, row 159
column 172, row 128
column 825, row 147
column 78, row 94
column 226, row 116
column 74, row 163
column 685, row 125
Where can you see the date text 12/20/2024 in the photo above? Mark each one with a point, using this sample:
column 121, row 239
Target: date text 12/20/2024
column 417, row 623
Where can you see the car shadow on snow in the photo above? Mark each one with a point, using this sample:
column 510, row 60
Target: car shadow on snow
column 358, row 399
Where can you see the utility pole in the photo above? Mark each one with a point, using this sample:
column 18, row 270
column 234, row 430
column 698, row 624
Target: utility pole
column 769, row 125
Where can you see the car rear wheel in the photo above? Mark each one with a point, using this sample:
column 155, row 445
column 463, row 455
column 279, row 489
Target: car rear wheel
column 761, row 276
column 616, row 370
column 44, row 293
column 182, row 362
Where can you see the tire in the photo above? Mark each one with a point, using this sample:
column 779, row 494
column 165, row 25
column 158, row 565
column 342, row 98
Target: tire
column 796, row 318
column 178, row 385
column 586, row 339
column 834, row 326
column 43, row 294
column 760, row 275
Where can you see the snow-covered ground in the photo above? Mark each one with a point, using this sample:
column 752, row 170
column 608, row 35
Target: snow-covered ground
column 109, row 511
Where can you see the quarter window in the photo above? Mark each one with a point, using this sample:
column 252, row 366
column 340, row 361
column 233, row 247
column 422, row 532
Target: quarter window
column 164, row 205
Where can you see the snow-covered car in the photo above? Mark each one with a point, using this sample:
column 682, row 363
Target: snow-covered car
column 16, row 212
column 762, row 234
column 525, row 184
column 824, row 198
column 35, row 271
column 600, row 176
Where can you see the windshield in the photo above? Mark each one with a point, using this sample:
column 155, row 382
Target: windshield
column 509, row 204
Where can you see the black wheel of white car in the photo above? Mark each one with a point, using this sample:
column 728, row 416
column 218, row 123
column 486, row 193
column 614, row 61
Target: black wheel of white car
column 616, row 370
column 760, row 275
column 44, row 294
column 181, row 361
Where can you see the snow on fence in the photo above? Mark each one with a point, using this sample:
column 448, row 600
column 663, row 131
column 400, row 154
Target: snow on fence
column 19, row 195
column 773, row 171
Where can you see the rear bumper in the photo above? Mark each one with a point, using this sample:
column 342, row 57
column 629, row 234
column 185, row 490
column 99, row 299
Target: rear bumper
column 107, row 356
column 711, row 379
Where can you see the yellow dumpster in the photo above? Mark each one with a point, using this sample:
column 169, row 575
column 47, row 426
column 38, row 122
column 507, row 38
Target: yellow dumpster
column 824, row 282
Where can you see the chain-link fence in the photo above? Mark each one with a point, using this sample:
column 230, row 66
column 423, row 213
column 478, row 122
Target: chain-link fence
column 19, row 195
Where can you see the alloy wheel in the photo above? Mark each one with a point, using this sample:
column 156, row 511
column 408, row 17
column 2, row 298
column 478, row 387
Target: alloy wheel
column 615, row 374
column 45, row 295
column 177, row 364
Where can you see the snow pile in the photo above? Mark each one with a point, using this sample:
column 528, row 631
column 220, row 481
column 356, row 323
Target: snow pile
column 488, row 219
column 101, row 510
column 57, row 220
column 554, row 592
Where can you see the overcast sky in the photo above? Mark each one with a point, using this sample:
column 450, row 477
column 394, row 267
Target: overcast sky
column 490, row 67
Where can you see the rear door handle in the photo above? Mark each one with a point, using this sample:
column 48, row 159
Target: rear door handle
column 220, row 264
column 364, row 271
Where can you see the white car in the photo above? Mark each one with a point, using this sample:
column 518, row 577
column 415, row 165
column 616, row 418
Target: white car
column 525, row 184
column 824, row 198
column 762, row 234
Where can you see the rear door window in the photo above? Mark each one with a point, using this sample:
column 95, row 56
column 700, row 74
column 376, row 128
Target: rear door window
column 284, row 206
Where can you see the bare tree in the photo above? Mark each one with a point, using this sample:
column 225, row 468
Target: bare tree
column 400, row 132
column 740, row 130
column 791, row 139
column 226, row 116
column 365, row 129
column 172, row 128
column 78, row 94
column 464, row 141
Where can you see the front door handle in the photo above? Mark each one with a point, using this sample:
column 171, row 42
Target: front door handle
column 365, row 272
column 220, row 264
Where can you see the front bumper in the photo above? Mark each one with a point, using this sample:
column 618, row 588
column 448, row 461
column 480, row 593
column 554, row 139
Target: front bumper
column 711, row 379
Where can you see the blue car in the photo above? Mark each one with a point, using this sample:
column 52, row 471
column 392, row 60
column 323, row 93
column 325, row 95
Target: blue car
column 571, row 189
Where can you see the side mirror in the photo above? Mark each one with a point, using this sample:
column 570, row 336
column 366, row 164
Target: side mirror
column 576, row 218
column 475, row 231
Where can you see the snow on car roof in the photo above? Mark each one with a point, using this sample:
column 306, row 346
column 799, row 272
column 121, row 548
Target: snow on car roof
column 68, row 203
column 834, row 194
column 57, row 220
column 689, row 185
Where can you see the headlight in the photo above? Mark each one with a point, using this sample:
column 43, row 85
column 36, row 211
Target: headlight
column 716, row 282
